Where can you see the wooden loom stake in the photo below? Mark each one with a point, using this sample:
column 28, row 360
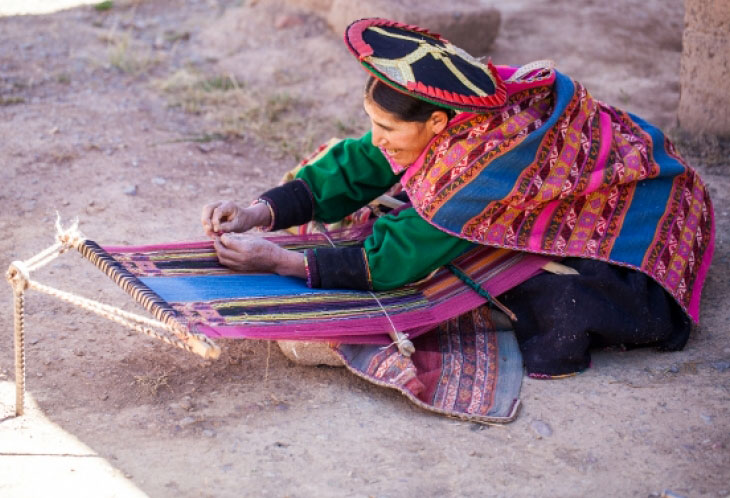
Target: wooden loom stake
column 17, row 278
column 19, row 352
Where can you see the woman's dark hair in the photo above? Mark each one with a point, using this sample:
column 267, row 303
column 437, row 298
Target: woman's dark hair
column 404, row 107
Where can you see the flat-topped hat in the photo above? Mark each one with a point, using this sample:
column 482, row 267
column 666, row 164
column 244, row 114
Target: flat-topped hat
column 425, row 65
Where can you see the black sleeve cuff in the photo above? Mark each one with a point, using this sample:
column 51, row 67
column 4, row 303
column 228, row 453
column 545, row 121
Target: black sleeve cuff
column 291, row 204
column 338, row 268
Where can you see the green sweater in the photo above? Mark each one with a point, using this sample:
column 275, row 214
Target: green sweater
column 403, row 248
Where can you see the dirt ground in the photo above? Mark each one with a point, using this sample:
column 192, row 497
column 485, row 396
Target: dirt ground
column 134, row 117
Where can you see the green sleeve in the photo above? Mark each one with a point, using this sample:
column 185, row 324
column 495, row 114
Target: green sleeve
column 347, row 177
column 404, row 248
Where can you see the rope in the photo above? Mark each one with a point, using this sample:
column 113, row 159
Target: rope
column 66, row 239
column 320, row 226
column 545, row 64
column 405, row 346
column 143, row 325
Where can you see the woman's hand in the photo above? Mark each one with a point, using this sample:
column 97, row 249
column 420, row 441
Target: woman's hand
column 255, row 254
column 228, row 216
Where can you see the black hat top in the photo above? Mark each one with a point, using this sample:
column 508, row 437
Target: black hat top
column 425, row 65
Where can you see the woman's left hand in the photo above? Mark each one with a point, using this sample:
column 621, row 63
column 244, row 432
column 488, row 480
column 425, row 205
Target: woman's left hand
column 249, row 253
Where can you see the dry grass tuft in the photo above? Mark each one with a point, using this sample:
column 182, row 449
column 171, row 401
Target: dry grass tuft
column 235, row 111
column 124, row 55
column 152, row 383
column 7, row 101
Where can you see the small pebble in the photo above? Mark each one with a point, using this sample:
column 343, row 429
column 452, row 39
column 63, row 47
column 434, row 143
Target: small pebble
column 186, row 422
column 674, row 369
column 131, row 190
column 208, row 433
column 667, row 493
column 542, row 429
column 721, row 366
column 159, row 181
column 187, row 404
column 706, row 418
column 34, row 341
column 287, row 21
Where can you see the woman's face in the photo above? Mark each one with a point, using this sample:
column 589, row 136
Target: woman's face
column 402, row 140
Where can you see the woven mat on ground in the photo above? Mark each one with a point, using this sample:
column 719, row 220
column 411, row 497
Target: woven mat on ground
column 464, row 368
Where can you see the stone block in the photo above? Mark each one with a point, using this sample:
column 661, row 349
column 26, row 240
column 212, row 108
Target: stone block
column 467, row 25
column 704, row 102
column 319, row 7
column 709, row 16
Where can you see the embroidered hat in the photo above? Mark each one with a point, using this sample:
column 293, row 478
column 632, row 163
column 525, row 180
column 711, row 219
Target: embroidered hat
column 425, row 65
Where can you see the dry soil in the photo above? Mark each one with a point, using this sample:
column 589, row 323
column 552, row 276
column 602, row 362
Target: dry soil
column 134, row 117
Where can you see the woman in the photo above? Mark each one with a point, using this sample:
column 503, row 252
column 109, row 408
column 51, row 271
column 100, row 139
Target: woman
column 531, row 163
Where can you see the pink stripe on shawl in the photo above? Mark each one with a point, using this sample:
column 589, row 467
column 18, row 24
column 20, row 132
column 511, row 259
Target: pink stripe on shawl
column 694, row 304
column 606, row 141
column 541, row 223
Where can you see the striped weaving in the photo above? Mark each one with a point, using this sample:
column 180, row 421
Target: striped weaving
column 184, row 283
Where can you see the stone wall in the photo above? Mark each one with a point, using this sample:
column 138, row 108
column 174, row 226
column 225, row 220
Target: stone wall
column 465, row 23
column 704, row 105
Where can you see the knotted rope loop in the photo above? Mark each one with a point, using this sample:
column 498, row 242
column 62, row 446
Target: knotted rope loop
column 71, row 237
column 18, row 276
column 405, row 346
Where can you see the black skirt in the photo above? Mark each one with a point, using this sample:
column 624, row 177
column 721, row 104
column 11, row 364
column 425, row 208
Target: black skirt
column 560, row 317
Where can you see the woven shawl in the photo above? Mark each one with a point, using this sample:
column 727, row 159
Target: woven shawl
column 557, row 172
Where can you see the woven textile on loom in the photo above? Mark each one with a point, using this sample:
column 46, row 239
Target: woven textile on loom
column 462, row 368
column 188, row 282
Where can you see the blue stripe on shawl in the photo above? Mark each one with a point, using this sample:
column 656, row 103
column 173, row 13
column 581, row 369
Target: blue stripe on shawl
column 208, row 288
column 509, row 378
column 498, row 179
column 649, row 202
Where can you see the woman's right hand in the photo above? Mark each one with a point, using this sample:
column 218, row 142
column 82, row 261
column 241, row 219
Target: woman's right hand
column 227, row 216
